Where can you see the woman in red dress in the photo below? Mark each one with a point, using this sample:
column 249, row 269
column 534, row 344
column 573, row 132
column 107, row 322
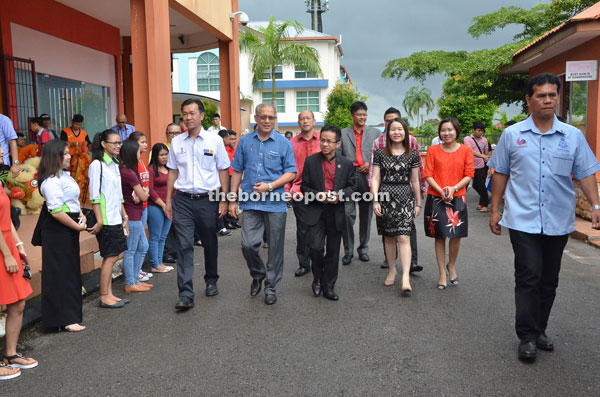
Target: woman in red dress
column 14, row 288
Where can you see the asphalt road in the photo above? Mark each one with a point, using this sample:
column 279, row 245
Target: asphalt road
column 459, row 341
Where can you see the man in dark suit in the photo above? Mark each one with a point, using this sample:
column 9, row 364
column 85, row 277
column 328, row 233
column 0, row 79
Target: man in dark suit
column 357, row 141
column 327, row 181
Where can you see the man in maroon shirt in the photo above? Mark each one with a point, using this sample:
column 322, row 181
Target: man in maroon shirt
column 305, row 144
column 327, row 180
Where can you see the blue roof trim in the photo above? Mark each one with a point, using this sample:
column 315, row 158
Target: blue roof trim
column 292, row 124
column 300, row 83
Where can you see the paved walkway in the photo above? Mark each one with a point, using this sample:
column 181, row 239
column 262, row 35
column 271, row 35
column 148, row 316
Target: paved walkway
column 372, row 342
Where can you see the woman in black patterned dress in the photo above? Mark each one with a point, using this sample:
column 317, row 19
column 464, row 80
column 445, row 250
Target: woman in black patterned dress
column 396, row 179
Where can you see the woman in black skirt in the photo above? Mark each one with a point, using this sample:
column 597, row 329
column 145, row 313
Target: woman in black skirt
column 61, row 272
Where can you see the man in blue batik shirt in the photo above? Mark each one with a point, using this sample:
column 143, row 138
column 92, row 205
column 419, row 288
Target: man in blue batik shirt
column 122, row 128
column 534, row 161
column 266, row 160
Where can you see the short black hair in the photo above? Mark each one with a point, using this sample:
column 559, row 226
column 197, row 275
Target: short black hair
column 333, row 128
column 356, row 106
column 223, row 133
column 541, row 79
column 232, row 132
column 20, row 135
column 454, row 122
column 38, row 121
column 191, row 101
column 77, row 118
column 288, row 133
column 216, row 115
column 392, row 110
column 478, row 125
column 509, row 123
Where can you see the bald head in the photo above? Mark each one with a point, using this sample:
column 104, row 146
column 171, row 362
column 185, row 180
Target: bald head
column 121, row 121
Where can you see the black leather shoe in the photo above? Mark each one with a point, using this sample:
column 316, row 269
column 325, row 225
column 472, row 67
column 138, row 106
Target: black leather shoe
column 255, row 287
column 384, row 265
column 346, row 260
column 542, row 342
column 212, row 290
column 170, row 259
column 270, row 299
column 329, row 294
column 527, row 350
column 316, row 288
column 363, row 257
column 184, row 303
column 414, row 268
column 301, row 271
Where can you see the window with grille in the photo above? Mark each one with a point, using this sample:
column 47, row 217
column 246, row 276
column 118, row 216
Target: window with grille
column 208, row 72
column 278, row 73
column 307, row 100
column 267, row 97
column 303, row 74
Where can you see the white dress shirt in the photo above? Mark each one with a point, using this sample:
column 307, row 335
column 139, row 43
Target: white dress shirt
column 109, row 195
column 61, row 193
column 198, row 161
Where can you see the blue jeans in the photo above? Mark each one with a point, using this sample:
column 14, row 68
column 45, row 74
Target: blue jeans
column 158, row 228
column 137, row 247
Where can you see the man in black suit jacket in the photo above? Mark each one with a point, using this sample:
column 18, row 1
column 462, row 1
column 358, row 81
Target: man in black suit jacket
column 327, row 181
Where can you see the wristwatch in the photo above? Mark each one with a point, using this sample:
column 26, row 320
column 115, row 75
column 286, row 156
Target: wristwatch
column 595, row 207
column 16, row 162
column 270, row 187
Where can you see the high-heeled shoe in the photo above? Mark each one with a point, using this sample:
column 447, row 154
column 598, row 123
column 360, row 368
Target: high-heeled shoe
column 441, row 286
column 390, row 280
column 454, row 281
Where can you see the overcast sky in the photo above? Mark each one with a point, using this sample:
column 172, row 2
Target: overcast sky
column 376, row 31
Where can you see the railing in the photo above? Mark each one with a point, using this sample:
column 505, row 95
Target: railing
column 425, row 141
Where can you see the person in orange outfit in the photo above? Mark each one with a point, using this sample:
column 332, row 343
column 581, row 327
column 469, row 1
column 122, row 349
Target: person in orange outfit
column 79, row 143
column 448, row 170
column 14, row 288
column 25, row 151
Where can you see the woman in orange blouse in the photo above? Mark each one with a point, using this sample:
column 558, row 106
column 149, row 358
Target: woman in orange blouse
column 448, row 170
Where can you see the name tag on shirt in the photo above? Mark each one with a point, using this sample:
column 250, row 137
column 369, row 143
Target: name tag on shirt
column 208, row 152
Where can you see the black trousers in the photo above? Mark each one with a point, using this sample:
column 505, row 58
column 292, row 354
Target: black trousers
column 171, row 244
column 302, row 250
column 414, row 252
column 200, row 215
column 479, row 185
column 537, row 265
column 324, row 242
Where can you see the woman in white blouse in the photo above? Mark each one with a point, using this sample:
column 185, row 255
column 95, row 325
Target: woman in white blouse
column 61, row 275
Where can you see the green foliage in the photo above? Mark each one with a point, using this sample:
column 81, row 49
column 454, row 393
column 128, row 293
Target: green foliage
column 273, row 46
column 481, row 69
column 415, row 99
column 338, row 104
column 428, row 128
column 458, row 101
column 210, row 108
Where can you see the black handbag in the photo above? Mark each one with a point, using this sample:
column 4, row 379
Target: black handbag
column 90, row 217
column 36, row 238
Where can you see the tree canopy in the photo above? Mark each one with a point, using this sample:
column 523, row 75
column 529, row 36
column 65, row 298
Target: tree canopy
column 338, row 104
column 274, row 47
column 415, row 99
column 481, row 68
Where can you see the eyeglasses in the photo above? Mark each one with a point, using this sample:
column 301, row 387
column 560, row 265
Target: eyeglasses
column 116, row 143
column 327, row 141
column 173, row 133
column 270, row 118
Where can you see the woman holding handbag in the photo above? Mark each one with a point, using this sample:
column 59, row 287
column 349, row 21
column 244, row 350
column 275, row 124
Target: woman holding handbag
column 14, row 288
column 61, row 275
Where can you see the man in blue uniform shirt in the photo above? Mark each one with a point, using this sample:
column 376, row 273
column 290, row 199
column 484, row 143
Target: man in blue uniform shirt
column 533, row 163
column 265, row 158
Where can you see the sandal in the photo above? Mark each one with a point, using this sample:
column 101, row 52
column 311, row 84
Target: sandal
column 454, row 281
column 9, row 360
column 162, row 269
column 441, row 286
column 484, row 209
column 74, row 328
column 7, row 372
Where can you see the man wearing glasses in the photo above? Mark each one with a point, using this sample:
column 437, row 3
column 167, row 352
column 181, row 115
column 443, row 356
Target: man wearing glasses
column 357, row 141
column 326, row 176
column 122, row 128
column 305, row 144
column 266, row 160
column 198, row 168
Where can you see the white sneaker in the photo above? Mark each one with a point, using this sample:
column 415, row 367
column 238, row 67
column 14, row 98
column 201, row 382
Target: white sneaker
column 143, row 279
column 150, row 275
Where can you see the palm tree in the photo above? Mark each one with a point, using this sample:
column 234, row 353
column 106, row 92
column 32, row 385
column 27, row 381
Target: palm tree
column 415, row 99
column 276, row 47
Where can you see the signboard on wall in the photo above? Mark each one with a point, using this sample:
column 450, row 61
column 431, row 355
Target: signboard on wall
column 582, row 71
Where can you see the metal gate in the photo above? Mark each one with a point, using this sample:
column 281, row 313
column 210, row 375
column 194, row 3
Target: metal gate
column 20, row 91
